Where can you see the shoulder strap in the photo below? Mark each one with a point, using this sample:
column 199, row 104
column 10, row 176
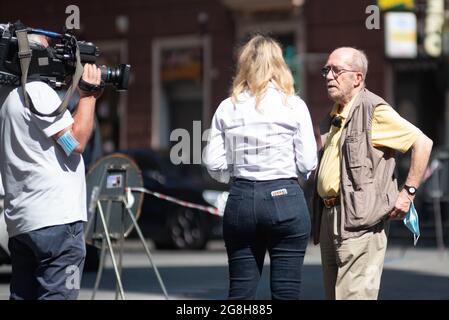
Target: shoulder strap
column 25, row 60
column 25, row 54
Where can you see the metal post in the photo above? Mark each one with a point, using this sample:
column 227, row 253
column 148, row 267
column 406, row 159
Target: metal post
column 437, row 195
column 100, row 267
column 120, row 260
column 111, row 252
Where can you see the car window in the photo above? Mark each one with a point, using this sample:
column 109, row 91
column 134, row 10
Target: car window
column 146, row 161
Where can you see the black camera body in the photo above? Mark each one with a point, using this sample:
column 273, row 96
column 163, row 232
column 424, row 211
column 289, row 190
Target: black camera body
column 55, row 64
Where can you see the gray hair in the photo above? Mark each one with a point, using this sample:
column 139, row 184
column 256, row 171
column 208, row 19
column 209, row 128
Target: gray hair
column 357, row 61
column 360, row 62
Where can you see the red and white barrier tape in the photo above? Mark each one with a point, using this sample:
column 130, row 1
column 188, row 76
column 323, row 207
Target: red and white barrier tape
column 211, row 210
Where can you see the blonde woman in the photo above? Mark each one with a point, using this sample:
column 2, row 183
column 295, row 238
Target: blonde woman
column 262, row 138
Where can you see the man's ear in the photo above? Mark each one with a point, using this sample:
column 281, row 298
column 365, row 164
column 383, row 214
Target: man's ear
column 358, row 79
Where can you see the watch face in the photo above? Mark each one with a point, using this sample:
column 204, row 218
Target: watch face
column 411, row 190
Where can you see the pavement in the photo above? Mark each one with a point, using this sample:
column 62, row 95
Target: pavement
column 409, row 273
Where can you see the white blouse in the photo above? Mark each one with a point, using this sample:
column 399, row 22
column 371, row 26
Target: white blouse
column 275, row 142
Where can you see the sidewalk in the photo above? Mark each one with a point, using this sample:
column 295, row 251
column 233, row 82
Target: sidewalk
column 409, row 273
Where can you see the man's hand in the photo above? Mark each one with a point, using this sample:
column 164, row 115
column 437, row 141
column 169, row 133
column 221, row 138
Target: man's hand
column 402, row 205
column 421, row 149
column 91, row 75
column 84, row 113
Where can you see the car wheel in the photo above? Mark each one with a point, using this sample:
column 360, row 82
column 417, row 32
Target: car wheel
column 187, row 229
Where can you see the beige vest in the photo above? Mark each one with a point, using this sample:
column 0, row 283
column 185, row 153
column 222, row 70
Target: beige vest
column 368, row 189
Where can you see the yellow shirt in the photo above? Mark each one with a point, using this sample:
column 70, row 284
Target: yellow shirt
column 389, row 129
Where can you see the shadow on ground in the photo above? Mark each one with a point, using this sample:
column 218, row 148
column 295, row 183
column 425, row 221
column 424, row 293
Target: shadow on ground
column 210, row 282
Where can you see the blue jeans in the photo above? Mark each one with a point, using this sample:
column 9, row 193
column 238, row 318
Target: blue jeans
column 47, row 263
column 257, row 220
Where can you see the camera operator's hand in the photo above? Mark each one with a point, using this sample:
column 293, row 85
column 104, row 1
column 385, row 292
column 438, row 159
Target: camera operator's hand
column 92, row 85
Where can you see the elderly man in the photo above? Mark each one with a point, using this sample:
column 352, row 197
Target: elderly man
column 356, row 189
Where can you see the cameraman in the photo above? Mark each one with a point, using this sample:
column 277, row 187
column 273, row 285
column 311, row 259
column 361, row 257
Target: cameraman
column 45, row 191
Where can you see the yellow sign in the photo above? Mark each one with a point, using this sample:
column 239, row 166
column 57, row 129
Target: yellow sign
column 396, row 4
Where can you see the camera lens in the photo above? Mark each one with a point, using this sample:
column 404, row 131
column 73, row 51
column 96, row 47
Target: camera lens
column 118, row 76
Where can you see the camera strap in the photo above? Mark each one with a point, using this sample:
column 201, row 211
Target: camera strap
column 75, row 80
column 25, row 60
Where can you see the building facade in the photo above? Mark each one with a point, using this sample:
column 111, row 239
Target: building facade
column 182, row 54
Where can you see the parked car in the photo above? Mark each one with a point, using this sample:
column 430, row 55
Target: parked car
column 4, row 252
column 170, row 225
column 432, row 193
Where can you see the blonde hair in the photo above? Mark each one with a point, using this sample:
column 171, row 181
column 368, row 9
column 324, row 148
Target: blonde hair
column 260, row 60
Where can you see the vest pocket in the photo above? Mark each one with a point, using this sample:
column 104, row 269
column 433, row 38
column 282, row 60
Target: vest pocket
column 361, row 211
column 355, row 149
column 358, row 169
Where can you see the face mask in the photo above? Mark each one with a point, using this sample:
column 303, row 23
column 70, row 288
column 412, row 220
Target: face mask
column 412, row 223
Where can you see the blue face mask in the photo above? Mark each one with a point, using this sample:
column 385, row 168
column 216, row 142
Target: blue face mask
column 412, row 223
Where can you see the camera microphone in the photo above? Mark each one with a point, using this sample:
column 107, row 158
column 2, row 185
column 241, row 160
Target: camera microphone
column 336, row 121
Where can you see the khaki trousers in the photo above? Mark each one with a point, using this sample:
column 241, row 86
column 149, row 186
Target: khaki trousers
column 352, row 268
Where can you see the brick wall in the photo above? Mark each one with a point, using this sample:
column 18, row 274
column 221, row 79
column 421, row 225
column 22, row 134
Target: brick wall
column 147, row 20
column 332, row 24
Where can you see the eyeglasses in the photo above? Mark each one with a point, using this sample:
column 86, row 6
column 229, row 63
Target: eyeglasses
column 336, row 71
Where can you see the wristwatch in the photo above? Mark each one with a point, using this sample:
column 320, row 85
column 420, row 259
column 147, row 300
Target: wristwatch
column 410, row 190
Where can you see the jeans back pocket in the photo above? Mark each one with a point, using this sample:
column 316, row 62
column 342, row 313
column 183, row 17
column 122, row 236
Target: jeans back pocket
column 284, row 203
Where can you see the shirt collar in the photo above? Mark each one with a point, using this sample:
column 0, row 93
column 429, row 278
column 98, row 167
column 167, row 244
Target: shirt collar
column 346, row 109
column 271, row 85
